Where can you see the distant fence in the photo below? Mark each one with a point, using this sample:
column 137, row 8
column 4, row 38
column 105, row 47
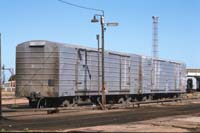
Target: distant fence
column 8, row 86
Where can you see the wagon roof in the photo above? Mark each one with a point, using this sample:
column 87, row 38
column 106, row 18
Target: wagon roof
column 58, row 44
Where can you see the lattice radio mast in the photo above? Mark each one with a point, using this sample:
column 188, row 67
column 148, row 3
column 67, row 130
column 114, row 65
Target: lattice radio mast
column 155, row 36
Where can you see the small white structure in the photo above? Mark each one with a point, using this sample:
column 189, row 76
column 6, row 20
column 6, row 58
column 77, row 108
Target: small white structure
column 193, row 79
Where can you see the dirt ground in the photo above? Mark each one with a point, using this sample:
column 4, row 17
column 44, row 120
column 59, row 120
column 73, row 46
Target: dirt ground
column 185, row 123
column 169, row 117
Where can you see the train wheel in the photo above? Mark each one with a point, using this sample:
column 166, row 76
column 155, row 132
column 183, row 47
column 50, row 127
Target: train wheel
column 66, row 103
column 128, row 100
column 75, row 102
column 40, row 103
column 150, row 97
column 135, row 99
column 144, row 98
column 175, row 96
column 121, row 101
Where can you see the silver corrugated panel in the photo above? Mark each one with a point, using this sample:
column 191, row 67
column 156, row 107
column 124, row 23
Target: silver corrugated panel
column 67, row 58
column 92, row 71
column 134, row 74
column 146, row 74
column 118, row 73
column 183, row 81
column 112, row 68
column 168, row 77
column 37, row 69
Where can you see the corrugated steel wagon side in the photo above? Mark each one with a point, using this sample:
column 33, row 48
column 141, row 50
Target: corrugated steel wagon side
column 37, row 69
column 69, row 73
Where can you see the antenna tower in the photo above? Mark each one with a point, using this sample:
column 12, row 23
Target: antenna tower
column 155, row 36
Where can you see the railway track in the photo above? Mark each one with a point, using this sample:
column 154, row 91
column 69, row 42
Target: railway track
column 69, row 119
column 24, row 107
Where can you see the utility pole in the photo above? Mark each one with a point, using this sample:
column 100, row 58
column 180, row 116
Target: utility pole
column 94, row 20
column 155, row 36
column 103, row 82
column 102, row 22
column 1, row 117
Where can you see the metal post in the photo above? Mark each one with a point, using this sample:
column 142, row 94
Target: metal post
column 103, row 84
column 1, row 117
column 97, row 37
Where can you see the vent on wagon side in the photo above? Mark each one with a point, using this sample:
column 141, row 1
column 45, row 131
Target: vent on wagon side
column 37, row 44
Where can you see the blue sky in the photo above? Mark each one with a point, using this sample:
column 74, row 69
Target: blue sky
column 179, row 26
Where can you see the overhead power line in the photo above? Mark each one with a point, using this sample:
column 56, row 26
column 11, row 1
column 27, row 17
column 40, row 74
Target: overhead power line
column 79, row 6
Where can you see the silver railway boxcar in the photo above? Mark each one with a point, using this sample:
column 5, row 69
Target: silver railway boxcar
column 63, row 72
